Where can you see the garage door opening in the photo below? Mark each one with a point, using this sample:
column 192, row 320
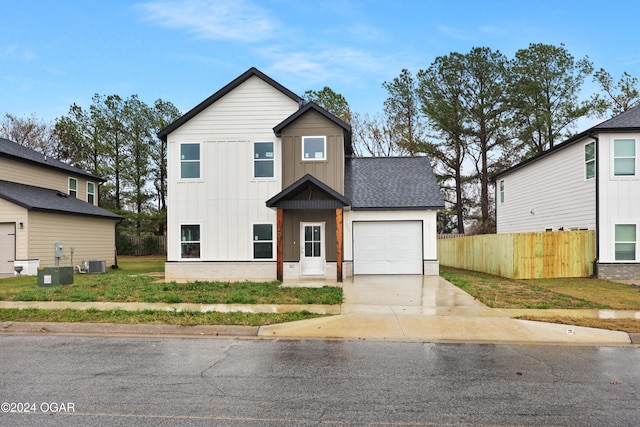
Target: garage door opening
column 387, row 247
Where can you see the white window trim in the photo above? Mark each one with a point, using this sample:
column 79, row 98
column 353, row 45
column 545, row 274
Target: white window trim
column 69, row 186
column 180, row 241
column 94, row 192
column 501, row 190
column 613, row 158
column 190, row 161
column 324, row 149
column 254, row 160
column 273, row 241
column 614, row 241
column 586, row 162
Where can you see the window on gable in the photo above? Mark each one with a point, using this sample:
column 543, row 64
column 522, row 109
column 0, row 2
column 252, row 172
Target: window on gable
column 263, row 161
column 502, row 191
column 91, row 193
column 73, row 187
column 189, row 161
column 625, row 242
column 314, row 148
column 190, row 241
column 263, row 241
column 590, row 160
column 624, row 157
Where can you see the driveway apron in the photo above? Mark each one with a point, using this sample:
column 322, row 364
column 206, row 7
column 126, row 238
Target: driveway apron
column 430, row 309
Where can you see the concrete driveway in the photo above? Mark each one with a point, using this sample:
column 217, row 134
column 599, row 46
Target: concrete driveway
column 428, row 308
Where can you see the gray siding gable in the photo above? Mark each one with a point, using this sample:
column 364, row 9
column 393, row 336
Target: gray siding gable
column 377, row 183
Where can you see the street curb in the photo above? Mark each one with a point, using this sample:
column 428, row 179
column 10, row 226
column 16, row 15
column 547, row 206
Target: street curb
column 634, row 337
column 116, row 329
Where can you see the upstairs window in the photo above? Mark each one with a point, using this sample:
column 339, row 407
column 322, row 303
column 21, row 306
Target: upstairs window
column 190, row 241
column 590, row 160
column 73, row 187
column 263, row 161
column 91, row 193
column 314, row 148
column 624, row 157
column 502, row 191
column 262, row 241
column 625, row 235
column 189, row 161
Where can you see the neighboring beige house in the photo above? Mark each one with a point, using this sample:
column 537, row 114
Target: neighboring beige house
column 43, row 202
column 263, row 185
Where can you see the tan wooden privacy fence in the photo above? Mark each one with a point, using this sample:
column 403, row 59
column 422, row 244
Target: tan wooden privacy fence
column 523, row 255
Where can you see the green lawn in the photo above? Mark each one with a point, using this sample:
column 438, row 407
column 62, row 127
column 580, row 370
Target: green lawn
column 137, row 281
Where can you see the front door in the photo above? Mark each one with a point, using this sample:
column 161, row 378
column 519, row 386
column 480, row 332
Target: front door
column 7, row 247
column 312, row 251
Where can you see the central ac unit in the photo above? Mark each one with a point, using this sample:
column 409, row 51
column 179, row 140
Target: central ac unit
column 97, row 266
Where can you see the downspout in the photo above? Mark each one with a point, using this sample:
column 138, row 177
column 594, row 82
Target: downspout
column 595, row 261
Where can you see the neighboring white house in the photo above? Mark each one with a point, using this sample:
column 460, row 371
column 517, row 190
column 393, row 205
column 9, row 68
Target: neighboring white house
column 263, row 185
column 591, row 181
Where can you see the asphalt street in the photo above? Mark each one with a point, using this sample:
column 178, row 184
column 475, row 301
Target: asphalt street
column 80, row 381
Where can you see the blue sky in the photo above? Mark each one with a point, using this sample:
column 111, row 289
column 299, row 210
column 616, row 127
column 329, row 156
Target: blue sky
column 54, row 53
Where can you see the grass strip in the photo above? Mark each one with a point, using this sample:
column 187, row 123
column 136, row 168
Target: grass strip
column 124, row 288
column 185, row 318
column 624, row 325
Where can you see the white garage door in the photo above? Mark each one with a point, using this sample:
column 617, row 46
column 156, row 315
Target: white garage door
column 387, row 247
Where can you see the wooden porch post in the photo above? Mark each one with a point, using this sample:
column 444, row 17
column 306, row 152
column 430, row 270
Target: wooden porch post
column 279, row 244
column 339, row 238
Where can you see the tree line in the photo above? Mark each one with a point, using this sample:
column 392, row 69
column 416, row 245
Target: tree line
column 478, row 113
column 116, row 139
column 474, row 114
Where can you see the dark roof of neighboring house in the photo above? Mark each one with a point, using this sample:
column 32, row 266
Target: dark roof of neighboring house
column 391, row 183
column 46, row 200
column 222, row 92
column 629, row 120
column 16, row 151
column 324, row 197
column 623, row 122
column 312, row 106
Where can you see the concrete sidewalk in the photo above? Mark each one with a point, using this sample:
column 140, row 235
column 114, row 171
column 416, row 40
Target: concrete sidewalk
column 394, row 308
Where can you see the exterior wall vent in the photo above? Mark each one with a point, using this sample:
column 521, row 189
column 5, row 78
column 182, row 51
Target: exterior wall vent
column 97, row 266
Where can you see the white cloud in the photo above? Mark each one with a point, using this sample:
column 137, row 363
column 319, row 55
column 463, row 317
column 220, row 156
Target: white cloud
column 455, row 33
column 213, row 19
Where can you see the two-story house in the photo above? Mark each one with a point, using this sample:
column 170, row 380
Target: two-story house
column 43, row 202
column 590, row 181
column 263, row 185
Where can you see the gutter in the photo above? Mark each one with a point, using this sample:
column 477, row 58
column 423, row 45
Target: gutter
column 595, row 261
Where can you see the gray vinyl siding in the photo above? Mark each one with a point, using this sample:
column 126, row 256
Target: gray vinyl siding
column 549, row 193
column 329, row 171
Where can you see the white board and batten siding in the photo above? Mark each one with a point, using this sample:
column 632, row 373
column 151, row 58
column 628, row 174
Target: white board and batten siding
column 550, row 193
column 619, row 196
column 226, row 200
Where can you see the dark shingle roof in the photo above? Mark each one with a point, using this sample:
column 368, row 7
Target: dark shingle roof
column 43, row 199
column 286, row 199
column 391, row 183
column 222, row 92
column 628, row 120
column 16, row 151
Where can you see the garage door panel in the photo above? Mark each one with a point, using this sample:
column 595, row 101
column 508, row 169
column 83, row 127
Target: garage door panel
column 387, row 247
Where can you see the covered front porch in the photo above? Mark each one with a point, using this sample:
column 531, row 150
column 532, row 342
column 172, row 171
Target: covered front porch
column 309, row 231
